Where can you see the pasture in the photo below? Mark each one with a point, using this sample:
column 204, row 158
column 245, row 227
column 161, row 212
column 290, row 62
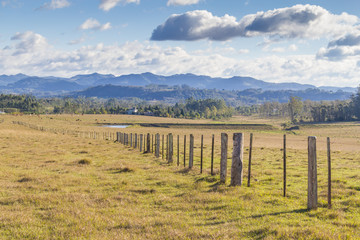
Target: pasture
column 61, row 184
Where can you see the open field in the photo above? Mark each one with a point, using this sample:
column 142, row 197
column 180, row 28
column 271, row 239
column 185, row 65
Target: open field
column 60, row 186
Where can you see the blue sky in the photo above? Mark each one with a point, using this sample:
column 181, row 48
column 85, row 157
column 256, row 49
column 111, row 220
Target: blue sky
column 313, row 42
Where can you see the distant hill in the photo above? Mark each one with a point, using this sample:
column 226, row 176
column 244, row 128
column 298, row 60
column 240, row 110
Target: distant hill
column 8, row 79
column 199, row 85
column 42, row 86
column 235, row 98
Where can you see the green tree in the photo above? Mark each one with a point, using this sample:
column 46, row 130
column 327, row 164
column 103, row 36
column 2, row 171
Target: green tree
column 295, row 108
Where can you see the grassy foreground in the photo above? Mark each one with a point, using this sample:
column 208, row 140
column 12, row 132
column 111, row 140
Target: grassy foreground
column 55, row 186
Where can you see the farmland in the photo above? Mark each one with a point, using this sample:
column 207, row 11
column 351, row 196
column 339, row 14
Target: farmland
column 60, row 184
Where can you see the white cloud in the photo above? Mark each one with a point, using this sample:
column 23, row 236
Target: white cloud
column 278, row 50
column 346, row 46
column 243, row 51
column 29, row 42
column 31, row 54
column 182, row 2
column 77, row 41
column 106, row 5
column 11, row 3
column 293, row 48
column 299, row 21
column 55, row 4
column 93, row 24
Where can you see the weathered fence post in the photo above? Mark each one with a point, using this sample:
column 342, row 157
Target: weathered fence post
column 250, row 156
column 178, row 150
column 312, row 173
column 144, row 143
column 223, row 161
column 148, row 150
column 157, row 145
column 141, row 142
column 329, row 171
column 212, row 154
column 167, row 147
column 184, row 150
column 237, row 160
column 191, row 151
column 131, row 139
column 171, row 148
column 201, row 154
column 284, row 159
column 152, row 143
column 118, row 136
column 162, row 152
column 135, row 142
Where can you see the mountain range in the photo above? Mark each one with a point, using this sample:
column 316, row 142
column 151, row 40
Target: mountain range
column 55, row 86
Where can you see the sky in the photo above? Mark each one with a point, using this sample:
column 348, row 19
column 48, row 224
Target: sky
column 311, row 42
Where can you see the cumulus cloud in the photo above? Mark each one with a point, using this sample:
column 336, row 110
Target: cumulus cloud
column 93, row 24
column 30, row 53
column 182, row 2
column 106, row 5
column 55, row 4
column 299, row 21
column 28, row 42
column 341, row 48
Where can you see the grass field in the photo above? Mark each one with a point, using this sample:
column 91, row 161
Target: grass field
column 60, row 186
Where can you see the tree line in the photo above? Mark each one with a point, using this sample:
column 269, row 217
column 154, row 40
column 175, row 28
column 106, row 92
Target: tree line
column 295, row 109
column 191, row 108
column 308, row 111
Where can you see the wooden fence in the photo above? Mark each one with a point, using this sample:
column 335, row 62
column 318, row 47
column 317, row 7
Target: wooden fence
column 155, row 144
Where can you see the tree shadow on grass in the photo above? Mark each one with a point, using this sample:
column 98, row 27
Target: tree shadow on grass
column 184, row 171
column 302, row 210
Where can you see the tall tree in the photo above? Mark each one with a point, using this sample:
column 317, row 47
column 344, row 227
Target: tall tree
column 295, row 108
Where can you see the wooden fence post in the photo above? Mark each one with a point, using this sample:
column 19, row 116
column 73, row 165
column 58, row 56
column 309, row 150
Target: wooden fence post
column 329, row 171
column 144, row 143
column 237, row 160
column 135, row 143
column 250, row 156
column 131, row 139
column 184, row 150
column 167, row 147
column 141, row 142
column 162, row 146
column 178, row 150
column 171, row 148
column 201, row 155
column 157, row 145
column 152, row 143
column 284, row 159
column 223, row 161
column 312, row 174
column 212, row 154
column 191, row 151
column 148, row 150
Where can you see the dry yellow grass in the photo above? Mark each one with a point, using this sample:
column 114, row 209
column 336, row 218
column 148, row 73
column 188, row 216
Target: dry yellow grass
column 59, row 186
